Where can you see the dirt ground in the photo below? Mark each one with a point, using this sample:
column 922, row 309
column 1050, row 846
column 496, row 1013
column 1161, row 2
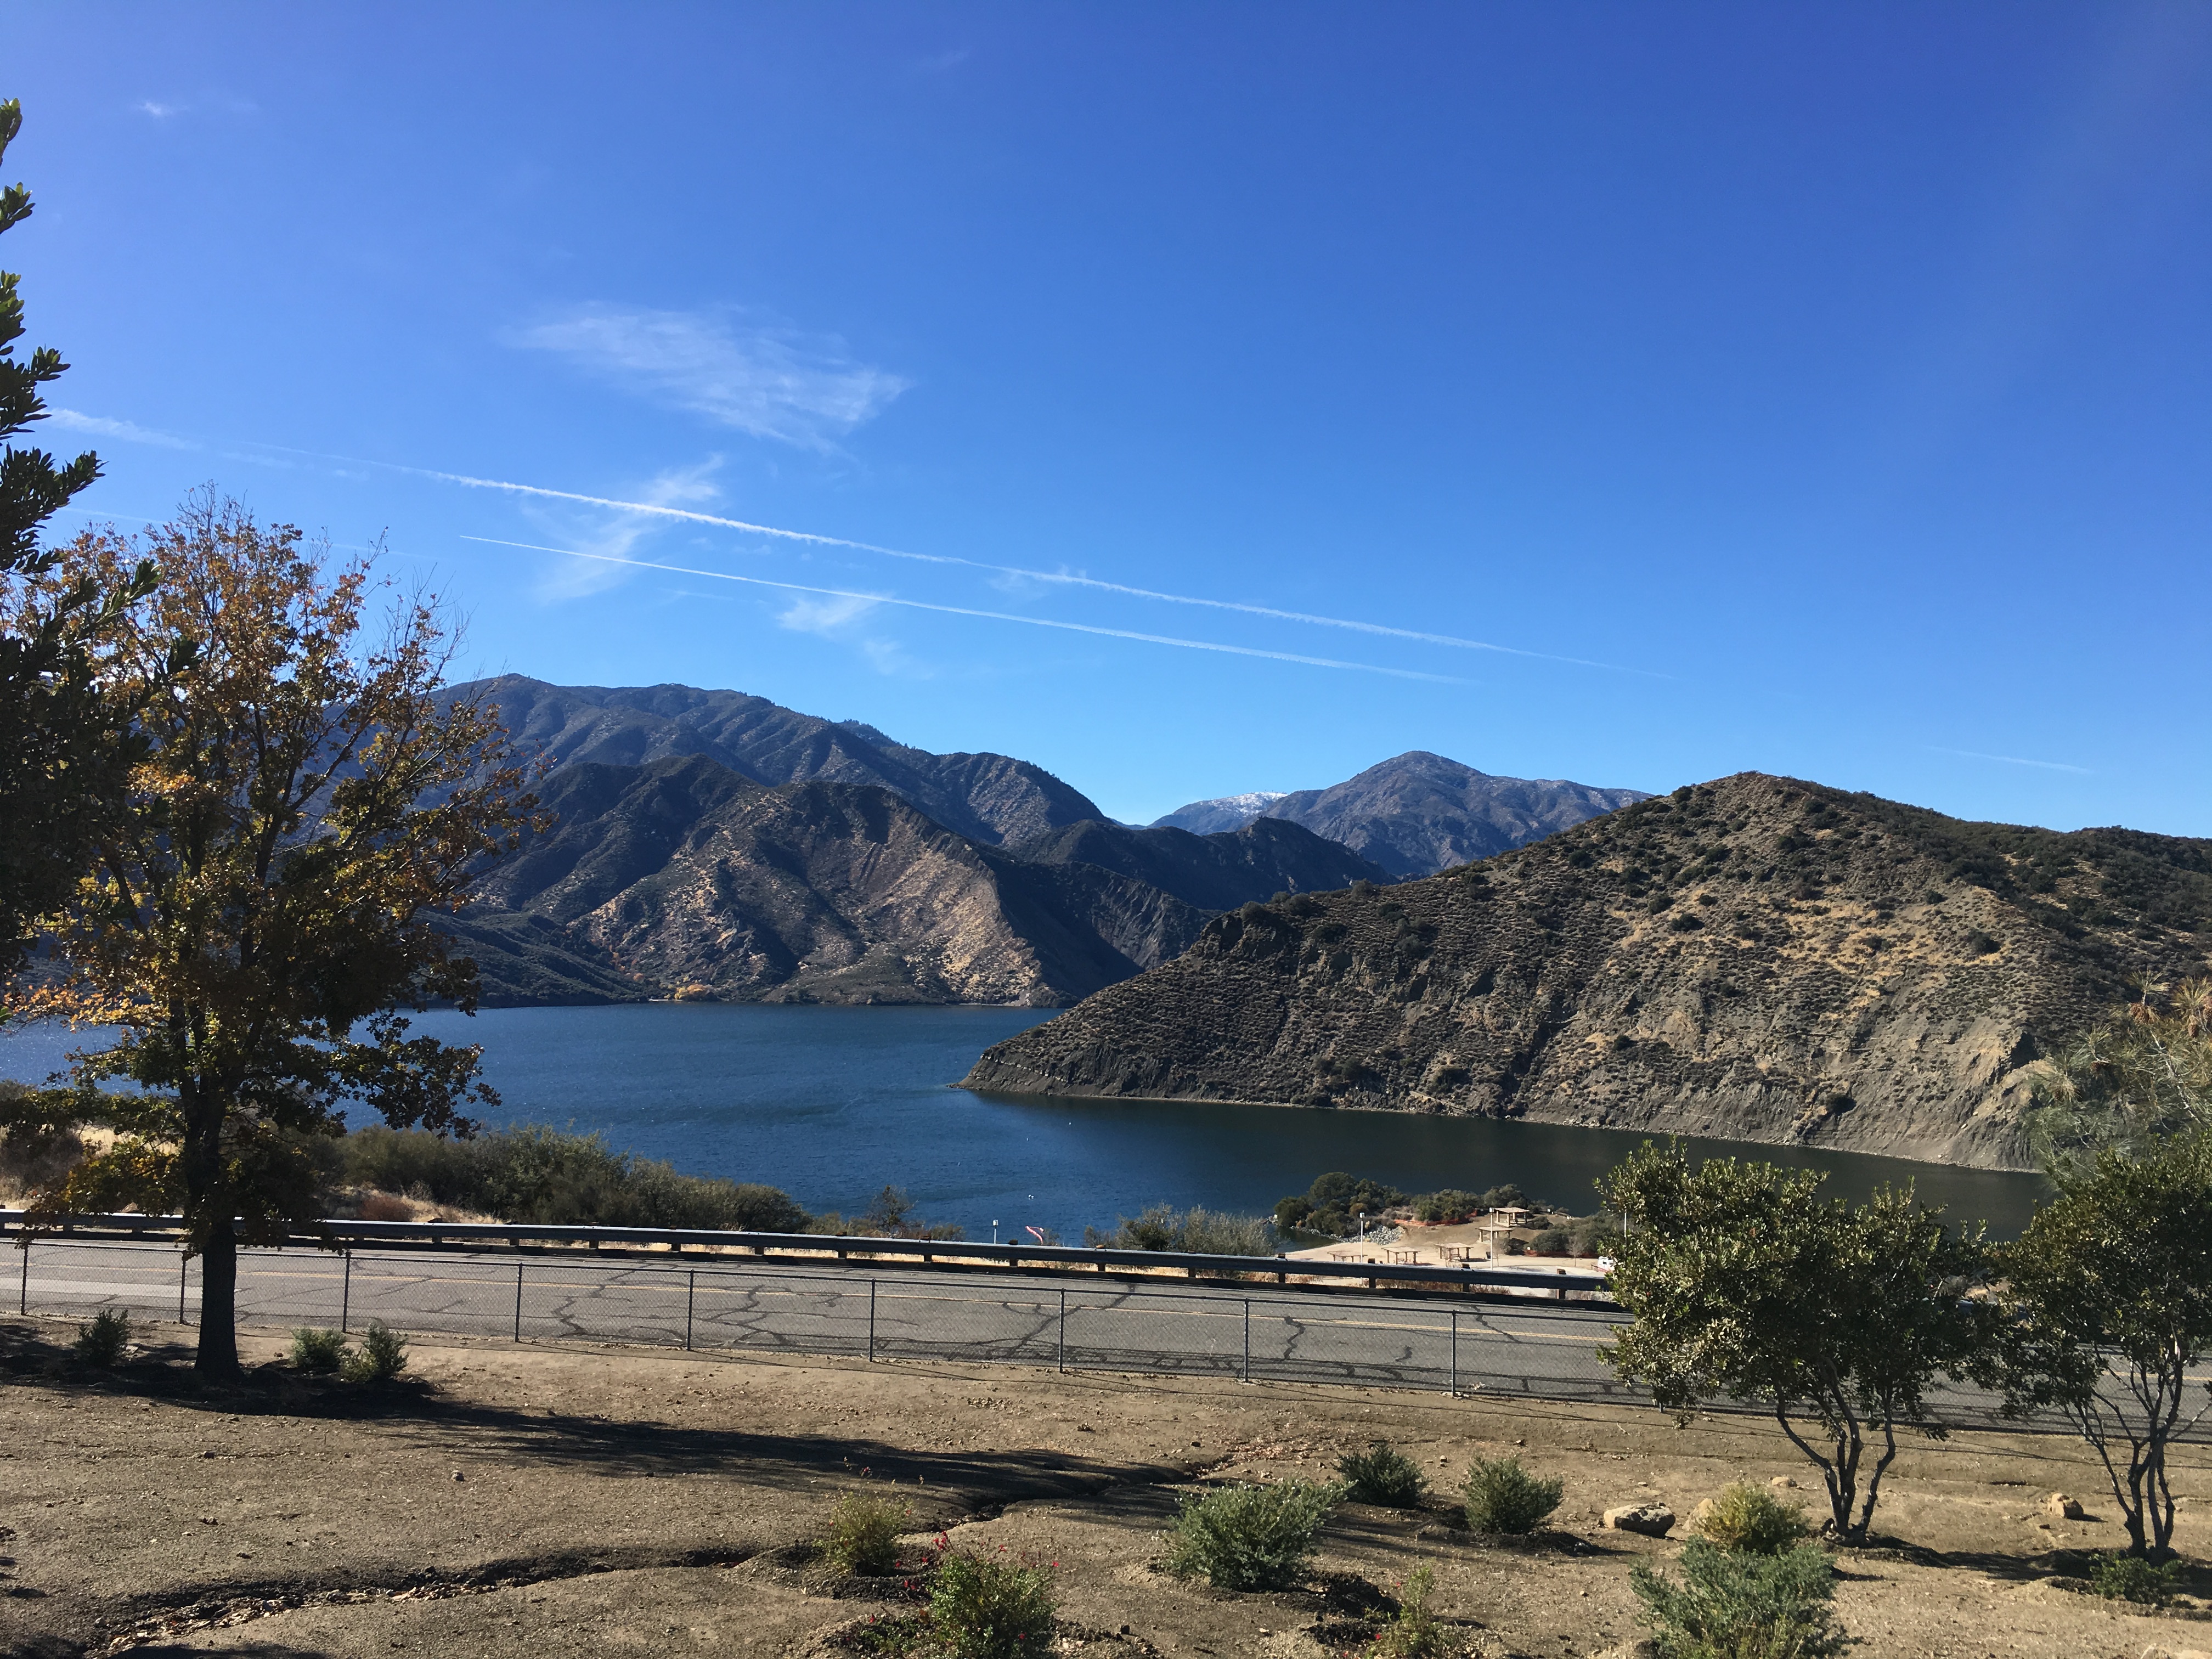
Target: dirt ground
column 542, row 1501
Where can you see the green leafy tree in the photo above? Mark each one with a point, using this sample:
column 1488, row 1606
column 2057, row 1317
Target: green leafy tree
column 262, row 906
column 1744, row 1285
column 66, row 743
column 2109, row 1294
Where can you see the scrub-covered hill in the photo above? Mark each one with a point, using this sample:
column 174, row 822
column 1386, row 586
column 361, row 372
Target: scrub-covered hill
column 1755, row 958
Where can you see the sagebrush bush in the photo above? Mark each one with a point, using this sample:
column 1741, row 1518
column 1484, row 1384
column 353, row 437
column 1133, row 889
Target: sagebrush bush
column 1248, row 1538
column 1753, row 1520
column 380, row 1357
column 2122, row 1577
column 101, row 1340
column 863, row 1535
column 981, row 1607
column 318, row 1351
column 1732, row 1604
column 1382, row 1474
column 1415, row 1633
column 1502, row 1497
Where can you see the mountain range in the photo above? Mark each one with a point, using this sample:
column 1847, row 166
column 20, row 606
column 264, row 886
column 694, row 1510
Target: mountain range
column 1418, row 813
column 714, row 844
column 1755, row 958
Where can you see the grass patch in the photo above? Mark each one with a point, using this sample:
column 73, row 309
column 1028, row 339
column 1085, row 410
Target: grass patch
column 863, row 1535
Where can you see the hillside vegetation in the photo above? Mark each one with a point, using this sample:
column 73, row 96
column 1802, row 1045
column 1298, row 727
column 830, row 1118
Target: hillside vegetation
column 1756, row 958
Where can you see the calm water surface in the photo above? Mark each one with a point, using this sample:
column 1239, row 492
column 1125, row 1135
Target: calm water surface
column 832, row 1103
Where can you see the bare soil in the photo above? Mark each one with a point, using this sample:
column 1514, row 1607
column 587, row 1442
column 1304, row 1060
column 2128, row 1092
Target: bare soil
column 519, row 1500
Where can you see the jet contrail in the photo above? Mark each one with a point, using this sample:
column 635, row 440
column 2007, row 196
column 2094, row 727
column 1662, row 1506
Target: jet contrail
column 1064, row 577
column 990, row 615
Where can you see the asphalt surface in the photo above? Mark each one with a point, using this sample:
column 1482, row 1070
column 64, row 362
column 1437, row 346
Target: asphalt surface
column 1268, row 1332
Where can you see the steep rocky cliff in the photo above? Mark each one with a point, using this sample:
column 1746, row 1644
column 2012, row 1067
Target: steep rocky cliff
column 1755, row 958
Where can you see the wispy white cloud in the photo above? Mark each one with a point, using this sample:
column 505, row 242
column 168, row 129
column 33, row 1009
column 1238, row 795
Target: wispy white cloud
column 768, row 382
column 986, row 615
column 937, row 63
column 2011, row 760
column 159, row 111
column 100, row 426
column 825, row 617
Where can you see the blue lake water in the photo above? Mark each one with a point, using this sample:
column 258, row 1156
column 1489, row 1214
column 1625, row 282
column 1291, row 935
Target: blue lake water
column 833, row 1104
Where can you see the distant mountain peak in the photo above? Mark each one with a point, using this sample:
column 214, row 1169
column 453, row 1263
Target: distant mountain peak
column 1221, row 814
column 1417, row 813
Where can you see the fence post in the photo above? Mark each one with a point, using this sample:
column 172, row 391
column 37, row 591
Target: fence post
column 23, row 1296
column 183, row 1266
column 345, row 1298
column 690, row 1296
column 518, row 1303
column 1248, row 1339
column 1063, row 1328
column 872, row 1321
column 1454, row 1353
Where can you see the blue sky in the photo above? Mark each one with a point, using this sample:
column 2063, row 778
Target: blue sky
column 1629, row 393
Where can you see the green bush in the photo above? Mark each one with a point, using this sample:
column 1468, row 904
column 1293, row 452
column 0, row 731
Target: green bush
column 1196, row 1231
column 1751, row 1521
column 318, row 1351
column 1734, row 1605
column 1382, row 1474
column 1447, row 1207
column 1250, row 1538
column 1552, row 1241
column 101, row 1340
column 532, row 1173
column 863, row 1536
column 1502, row 1497
column 2122, row 1577
column 1415, row 1633
column 980, row 1608
column 380, row 1357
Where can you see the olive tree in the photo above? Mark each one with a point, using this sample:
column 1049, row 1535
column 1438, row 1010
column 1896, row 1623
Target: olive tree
column 262, row 906
column 1744, row 1285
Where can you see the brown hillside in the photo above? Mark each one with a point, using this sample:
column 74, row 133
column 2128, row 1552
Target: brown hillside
column 1755, row 958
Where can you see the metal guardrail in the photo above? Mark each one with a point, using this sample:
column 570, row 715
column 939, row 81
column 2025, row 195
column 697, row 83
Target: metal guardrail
column 1058, row 1258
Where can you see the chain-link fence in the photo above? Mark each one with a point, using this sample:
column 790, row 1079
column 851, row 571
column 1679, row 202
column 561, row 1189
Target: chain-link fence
column 1527, row 1347
column 1123, row 1326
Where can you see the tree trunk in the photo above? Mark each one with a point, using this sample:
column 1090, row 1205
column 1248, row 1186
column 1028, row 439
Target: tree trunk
column 218, row 1361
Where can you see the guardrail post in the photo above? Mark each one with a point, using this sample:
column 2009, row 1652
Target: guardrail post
column 345, row 1298
column 1454, row 1353
column 1063, row 1328
column 690, row 1296
column 872, row 1321
column 1248, row 1339
column 518, row 1304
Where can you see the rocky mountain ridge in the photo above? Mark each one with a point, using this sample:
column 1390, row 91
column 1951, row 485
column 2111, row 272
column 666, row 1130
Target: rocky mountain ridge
column 683, row 878
column 1418, row 813
column 1756, row 958
column 987, row 798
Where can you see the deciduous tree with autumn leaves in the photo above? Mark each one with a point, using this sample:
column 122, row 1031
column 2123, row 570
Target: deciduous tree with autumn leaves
column 259, row 907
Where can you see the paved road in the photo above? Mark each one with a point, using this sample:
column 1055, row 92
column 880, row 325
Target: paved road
column 1267, row 1332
